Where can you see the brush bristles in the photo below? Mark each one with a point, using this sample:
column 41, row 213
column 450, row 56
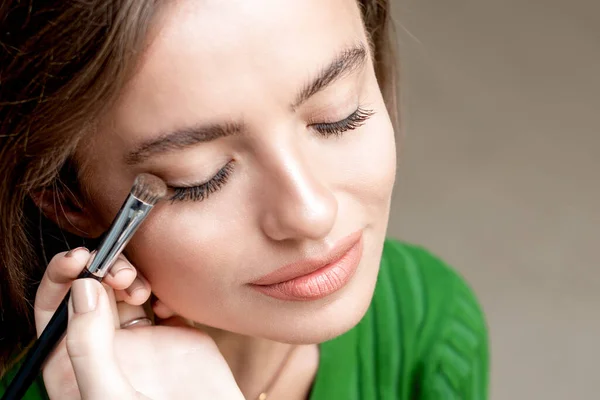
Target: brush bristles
column 149, row 188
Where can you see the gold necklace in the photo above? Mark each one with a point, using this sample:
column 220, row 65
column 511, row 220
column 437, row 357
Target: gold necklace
column 264, row 394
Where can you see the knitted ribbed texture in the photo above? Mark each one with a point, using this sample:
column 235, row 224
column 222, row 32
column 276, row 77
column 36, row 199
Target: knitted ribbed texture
column 424, row 337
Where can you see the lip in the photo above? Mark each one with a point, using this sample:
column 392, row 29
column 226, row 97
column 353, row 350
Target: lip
column 317, row 277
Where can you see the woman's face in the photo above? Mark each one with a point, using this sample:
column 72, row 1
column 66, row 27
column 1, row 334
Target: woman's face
column 272, row 110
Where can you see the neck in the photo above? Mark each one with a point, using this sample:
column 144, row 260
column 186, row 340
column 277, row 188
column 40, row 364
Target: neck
column 253, row 361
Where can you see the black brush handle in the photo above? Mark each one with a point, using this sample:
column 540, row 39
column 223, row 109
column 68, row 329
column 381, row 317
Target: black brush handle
column 42, row 347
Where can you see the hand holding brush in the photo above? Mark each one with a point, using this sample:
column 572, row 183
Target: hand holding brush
column 98, row 359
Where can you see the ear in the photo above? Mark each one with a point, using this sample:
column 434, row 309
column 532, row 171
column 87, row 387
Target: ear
column 67, row 211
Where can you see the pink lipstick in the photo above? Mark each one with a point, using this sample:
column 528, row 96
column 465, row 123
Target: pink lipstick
column 314, row 278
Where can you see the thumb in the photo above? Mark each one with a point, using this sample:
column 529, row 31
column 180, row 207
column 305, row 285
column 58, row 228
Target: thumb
column 90, row 337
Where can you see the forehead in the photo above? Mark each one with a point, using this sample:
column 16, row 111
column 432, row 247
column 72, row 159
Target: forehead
column 212, row 59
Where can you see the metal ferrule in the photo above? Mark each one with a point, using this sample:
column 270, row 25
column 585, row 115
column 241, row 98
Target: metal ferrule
column 129, row 218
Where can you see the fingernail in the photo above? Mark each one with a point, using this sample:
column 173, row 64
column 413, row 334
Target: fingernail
column 85, row 296
column 118, row 267
column 81, row 254
column 70, row 252
column 134, row 286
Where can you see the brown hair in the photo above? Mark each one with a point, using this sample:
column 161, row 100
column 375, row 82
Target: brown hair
column 60, row 66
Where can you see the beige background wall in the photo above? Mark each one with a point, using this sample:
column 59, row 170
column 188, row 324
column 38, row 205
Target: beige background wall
column 500, row 175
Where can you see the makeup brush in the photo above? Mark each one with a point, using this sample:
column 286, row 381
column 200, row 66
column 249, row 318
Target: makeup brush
column 146, row 191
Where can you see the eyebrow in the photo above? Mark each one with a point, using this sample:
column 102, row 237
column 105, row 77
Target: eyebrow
column 346, row 62
column 181, row 139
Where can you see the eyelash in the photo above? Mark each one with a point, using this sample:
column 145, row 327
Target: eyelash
column 204, row 190
column 351, row 122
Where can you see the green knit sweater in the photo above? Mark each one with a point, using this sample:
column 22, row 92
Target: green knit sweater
column 424, row 337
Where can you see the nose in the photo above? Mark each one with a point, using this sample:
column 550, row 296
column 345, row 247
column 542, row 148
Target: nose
column 296, row 203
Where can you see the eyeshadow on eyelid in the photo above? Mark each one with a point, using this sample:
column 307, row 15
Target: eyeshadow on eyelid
column 187, row 176
column 337, row 99
column 334, row 111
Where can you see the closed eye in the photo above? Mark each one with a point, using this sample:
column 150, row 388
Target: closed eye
column 204, row 190
column 351, row 122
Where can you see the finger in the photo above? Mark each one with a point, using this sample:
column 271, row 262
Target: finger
column 137, row 293
column 57, row 279
column 113, row 304
column 128, row 313
column 90, row 344
column 161, row 310
column 176, row 321
column 121, row 275
column 167, row 317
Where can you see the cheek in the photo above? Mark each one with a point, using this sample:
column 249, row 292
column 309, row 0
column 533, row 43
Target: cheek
column 370, row 167
column 180, row 250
